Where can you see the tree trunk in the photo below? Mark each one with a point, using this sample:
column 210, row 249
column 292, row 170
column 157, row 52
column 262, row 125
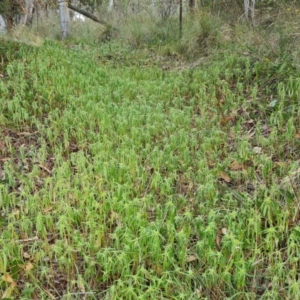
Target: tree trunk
column 249, row 7
column 29, row 10
column 110, row 5
column 246, row 7
column 2, row 25
column 64, row 18
column 192, row 5
column 252, row 11
column 180, row 18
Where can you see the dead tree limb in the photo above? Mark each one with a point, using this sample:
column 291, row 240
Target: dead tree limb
column 88, row 15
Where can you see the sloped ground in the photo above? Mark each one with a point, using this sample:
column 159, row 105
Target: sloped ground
column 127, row 179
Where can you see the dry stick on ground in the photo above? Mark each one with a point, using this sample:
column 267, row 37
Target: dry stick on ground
column 88, row 15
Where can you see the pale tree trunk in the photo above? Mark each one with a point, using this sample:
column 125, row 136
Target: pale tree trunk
column 64, row 18
column 2, row 25
column 252, row 10
column 110, row 5
column 152, row 3
column 29, row 10
column 248, row 8
column 180, row 18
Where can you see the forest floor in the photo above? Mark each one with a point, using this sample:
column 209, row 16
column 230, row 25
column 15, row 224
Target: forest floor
column 128, row 174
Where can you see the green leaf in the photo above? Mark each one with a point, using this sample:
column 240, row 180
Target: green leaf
column 273, row 103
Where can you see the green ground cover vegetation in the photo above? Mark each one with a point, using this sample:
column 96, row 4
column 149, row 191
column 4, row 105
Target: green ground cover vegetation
column 128, row 170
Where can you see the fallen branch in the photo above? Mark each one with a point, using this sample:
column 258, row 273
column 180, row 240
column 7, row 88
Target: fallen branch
column 35, row 238
column 88, row 15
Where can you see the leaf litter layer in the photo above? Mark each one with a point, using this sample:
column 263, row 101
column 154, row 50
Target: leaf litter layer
column 130, row 181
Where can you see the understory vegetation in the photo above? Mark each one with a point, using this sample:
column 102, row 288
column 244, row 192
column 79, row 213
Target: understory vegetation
column 149, row 166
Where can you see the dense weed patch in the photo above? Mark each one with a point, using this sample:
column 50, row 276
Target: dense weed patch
column 126, row 179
